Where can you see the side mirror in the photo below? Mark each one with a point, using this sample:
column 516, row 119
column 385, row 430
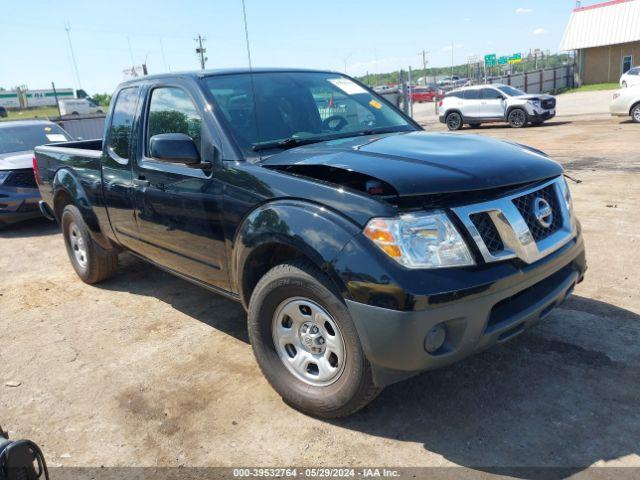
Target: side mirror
column 174, row 148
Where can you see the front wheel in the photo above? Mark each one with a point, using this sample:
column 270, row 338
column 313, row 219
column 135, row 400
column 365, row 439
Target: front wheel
column 517, row 118
column 635, row 113
column 306, row 344
column 454, row 121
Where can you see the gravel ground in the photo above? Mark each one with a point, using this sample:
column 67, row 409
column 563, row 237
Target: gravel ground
column 148, row 370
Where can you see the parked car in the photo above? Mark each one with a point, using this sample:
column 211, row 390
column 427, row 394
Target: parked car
column 427, row 93
column 3, row 112
column 19, row 194
column 631, row 78
column 626, row 102
column 79, row 106
column 494, row 103
column 364, row 249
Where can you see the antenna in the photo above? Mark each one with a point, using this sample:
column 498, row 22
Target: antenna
column 246, row 33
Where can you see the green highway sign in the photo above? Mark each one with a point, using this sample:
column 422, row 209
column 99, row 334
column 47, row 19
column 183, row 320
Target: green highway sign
column 503, row 60
column 515, row 58
column 490, row 60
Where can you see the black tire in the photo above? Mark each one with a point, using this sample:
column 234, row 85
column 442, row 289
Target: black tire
column 635, row 113
column 475, row 125
column 75, row 113
column 517, row 118
column 454, row 121
column 99, row 264
column 353, row 388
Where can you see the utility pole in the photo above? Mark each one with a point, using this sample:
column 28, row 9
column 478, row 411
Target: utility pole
column 424, row 66
column 200, row 50
column 55, row 94
column 164, row 58
column 452, row 46
column 67, row 28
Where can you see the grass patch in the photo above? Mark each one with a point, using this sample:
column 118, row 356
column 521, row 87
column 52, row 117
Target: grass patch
column 596, row 87
column 43, row 113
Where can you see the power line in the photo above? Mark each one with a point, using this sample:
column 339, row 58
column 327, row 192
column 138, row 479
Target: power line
column 200, row 50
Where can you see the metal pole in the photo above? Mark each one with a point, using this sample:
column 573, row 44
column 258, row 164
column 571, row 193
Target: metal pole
column 201, row 51
column 67, row 28
column 410, row 95
column 55, row 94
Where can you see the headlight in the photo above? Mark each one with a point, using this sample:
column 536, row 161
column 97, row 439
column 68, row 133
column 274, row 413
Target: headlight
column 4, row 175
column 420, row 240
column 535, row 103
column 566, row 195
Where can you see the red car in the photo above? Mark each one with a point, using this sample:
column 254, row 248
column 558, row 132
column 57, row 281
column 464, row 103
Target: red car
column 426, row 94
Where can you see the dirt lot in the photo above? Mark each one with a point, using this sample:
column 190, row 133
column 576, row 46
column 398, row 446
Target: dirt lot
column 147, row 369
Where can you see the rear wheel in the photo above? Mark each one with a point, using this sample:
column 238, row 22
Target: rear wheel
column 517, row 118
column 91, row 262
column 635, row 113
column 306, row 344
column 454, row 121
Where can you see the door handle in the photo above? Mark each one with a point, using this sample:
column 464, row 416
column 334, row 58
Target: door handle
column 141, row 182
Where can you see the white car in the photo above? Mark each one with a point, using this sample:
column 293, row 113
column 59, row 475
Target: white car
column 79, row 106
column 494, row 103
column 631, row 78
column 626, row 102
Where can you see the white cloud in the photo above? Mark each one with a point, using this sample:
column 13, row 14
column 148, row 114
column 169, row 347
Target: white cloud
column 540, row 31
column 523, row 11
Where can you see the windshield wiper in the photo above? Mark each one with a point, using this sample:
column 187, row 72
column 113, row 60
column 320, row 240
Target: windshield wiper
column 285, row 143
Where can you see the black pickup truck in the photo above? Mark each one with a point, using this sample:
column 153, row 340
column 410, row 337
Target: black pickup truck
column 364, row 249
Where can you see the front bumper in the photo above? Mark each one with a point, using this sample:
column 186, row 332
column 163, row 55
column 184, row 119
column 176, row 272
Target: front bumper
column 393, row 340
column 542, row 115
column 18, row 204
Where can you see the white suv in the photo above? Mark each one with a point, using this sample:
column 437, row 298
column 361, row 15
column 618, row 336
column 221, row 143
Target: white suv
column 494, row 103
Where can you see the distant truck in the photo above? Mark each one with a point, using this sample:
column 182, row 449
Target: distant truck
column 79, row 106
column 364, row 249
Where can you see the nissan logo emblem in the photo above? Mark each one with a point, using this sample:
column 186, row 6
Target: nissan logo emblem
column 543, row 212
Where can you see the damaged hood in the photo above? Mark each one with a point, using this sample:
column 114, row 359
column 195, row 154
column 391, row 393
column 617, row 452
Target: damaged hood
column 420, row 163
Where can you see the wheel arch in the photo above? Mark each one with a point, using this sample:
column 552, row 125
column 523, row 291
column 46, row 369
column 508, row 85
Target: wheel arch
column 636, row 104
column 67, row 190
column 288, row 230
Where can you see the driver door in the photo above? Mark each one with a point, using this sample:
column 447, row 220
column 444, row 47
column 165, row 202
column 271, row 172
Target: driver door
column 178, row 208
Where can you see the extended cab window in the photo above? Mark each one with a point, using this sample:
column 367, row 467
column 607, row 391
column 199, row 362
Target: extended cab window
column 121, row 122
column 171, row 110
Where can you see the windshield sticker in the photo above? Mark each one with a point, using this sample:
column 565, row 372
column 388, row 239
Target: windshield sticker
column 347, row 86
column 47, row 129
column 56, row 137
column 375, row 104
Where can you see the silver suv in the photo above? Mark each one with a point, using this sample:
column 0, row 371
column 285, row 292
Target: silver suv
column 494, row 103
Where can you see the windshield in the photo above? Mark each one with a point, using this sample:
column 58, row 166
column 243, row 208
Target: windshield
column 512, row 92
column 273, row 110
column 27, row 137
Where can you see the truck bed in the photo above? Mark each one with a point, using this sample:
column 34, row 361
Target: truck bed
column 92, row 148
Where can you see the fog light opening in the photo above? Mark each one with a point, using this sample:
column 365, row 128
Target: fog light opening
column 435, row 338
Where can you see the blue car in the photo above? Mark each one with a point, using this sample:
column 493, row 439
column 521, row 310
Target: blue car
column 19, row 195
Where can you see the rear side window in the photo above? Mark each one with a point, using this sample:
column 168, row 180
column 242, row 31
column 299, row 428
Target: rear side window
column 172, row 111
column 124, row 112
column 453, row 95
column 472, row 94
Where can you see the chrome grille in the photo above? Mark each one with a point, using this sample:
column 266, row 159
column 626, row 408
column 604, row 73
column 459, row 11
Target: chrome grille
column 508, row 227
column 525, row 206
column 488, row 231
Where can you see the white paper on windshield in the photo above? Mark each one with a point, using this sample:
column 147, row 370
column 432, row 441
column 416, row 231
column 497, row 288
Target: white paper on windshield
column 56, row 137
column 347, row 86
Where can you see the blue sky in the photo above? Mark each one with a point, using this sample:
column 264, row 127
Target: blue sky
column 374, row 36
